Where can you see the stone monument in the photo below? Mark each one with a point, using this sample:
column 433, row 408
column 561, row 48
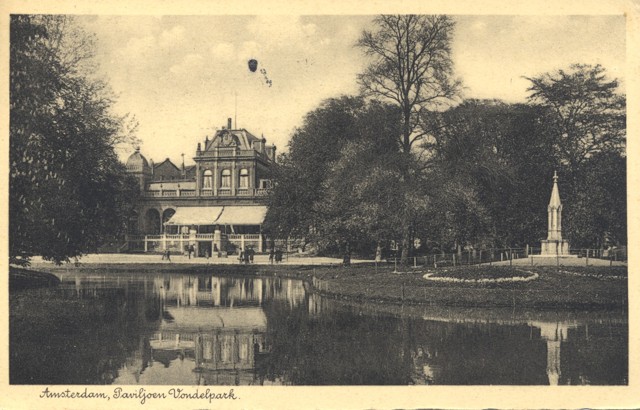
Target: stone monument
column 555, row 245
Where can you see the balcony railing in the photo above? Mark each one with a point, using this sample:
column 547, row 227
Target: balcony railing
column 191, row 193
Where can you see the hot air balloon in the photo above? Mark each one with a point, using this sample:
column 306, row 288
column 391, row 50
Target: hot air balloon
column 253, row 65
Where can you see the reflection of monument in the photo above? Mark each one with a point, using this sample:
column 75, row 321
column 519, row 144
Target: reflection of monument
column 554, row 334
column 555, row 245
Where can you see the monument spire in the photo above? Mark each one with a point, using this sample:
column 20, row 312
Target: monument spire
column 555, row 245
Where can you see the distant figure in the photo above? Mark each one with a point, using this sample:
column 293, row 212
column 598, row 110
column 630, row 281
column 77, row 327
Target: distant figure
column 251, row 254
column 247, row 256
column 168, row 255
column 278, row 256
column 241, row 256
column 346, row 260
column 272, row 254
column 192, row 250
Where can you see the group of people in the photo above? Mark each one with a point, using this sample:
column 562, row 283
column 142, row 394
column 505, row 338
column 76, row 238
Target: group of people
column 190, row 249
column 246, row 256
column 275, row 254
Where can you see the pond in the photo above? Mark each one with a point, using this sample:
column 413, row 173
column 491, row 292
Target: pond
column 175, row 329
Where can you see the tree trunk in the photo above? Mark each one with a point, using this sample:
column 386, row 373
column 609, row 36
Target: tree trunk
column 406, row 243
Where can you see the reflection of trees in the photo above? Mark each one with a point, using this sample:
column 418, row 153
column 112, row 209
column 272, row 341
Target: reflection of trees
column 337, row 348
column 596, row 354
column 454, row 354
column 76, row 336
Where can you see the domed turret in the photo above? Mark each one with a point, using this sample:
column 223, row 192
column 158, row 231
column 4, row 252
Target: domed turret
column 137, row 162
column 138, row 166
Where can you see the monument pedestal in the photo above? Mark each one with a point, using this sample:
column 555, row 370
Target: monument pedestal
column 555, row 248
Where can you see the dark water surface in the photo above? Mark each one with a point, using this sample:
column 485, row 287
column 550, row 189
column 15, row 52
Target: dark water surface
column 217, row 330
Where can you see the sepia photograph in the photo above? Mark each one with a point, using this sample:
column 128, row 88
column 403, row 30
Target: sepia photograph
column 203, row 205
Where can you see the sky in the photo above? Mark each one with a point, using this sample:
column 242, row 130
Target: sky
column 183, row 76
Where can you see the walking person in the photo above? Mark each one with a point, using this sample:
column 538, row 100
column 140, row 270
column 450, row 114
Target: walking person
column 272, row 254
column 168, row 255
column 241, row 256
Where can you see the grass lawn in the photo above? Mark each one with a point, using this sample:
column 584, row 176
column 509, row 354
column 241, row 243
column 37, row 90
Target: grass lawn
column 552, row 289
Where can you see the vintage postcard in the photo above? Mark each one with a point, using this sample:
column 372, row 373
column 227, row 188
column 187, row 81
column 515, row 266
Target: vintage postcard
column 268, row 205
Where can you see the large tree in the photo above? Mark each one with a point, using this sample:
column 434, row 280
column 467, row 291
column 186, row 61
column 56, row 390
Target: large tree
column 299, row 173
column 410, row 66
column 586, row 111
column 67, row 189
column 339, row 184
column 496, row 159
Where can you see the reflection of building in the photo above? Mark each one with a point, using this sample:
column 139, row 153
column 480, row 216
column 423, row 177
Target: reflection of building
column 216, row 202
column 184, row 290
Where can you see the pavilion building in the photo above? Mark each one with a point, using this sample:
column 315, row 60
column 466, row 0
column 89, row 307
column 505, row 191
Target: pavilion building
column 216, row 205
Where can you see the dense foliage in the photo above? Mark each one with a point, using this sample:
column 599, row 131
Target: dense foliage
column 483, row 178
column 68, row 191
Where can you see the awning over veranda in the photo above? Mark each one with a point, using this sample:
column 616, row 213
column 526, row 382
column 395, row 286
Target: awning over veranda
column 218, row 215
column 242, row 215
column 195, row 215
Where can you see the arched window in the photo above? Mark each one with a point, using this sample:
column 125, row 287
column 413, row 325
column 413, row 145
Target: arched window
column 244, row 178
column 152, row 222
column 226, row 178
column 207, row 180
column 166, row 216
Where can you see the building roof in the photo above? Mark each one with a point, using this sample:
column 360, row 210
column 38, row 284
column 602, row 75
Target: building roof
column 241, row 138
column 137, row 161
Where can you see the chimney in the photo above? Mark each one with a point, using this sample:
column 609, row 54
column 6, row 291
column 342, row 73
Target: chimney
column 229, row 123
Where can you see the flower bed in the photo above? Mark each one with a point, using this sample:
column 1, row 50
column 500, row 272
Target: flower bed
column 606, row 273
column 481, row 275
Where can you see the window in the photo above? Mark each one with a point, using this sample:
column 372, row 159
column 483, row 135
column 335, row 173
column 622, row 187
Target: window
column 207, row 180
column 244, row 178
column 265, row 183
column 226, row 178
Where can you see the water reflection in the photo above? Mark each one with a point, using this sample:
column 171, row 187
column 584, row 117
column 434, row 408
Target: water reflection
column 217, row 330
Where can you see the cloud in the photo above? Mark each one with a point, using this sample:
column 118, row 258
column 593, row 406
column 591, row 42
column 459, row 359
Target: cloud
column 282, row 32
column 139, row 47
column 223, row 51
column 190, row 64
column 171, row 38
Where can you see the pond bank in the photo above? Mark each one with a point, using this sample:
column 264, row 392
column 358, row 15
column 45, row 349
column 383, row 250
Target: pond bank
column 365, row 283
column 20, row 278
